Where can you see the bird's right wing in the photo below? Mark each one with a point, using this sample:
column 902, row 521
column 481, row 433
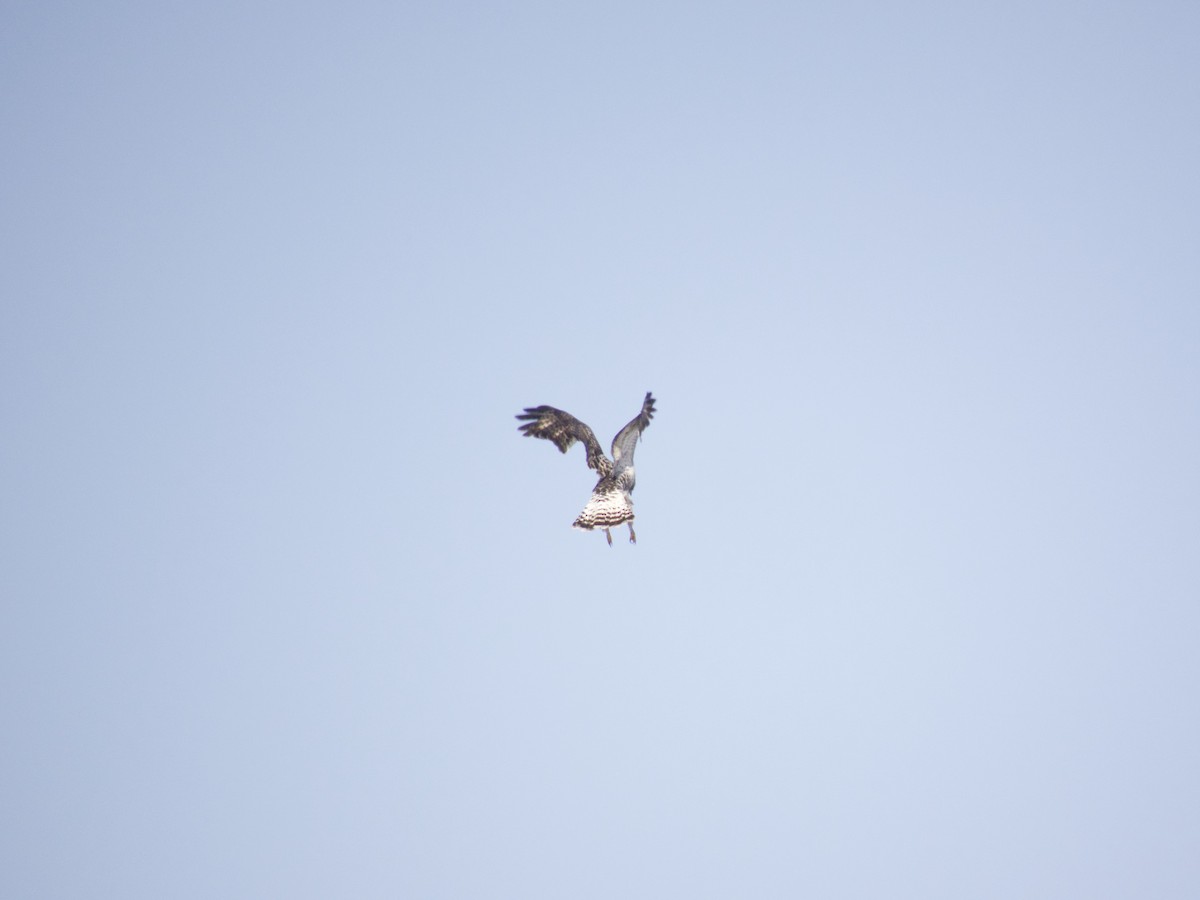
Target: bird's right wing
column 627, row 437
column 564, row 429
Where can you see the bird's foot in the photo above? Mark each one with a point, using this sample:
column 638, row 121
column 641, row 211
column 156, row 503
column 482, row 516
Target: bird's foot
column 608, row 534
column 632, row 536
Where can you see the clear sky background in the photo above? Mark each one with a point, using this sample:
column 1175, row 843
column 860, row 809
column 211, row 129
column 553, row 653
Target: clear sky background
column 290, row 609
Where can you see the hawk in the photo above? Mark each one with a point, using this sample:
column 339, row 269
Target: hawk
column 611, row 504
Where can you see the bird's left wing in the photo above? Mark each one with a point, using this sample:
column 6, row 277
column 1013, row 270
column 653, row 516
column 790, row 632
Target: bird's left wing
column 627, row 437
column 564, row 429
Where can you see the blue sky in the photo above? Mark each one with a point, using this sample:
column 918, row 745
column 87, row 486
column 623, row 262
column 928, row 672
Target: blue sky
column 291, row 609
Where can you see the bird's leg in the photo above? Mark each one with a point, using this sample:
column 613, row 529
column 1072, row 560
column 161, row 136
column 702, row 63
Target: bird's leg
column 608, row 534
column 632, row 536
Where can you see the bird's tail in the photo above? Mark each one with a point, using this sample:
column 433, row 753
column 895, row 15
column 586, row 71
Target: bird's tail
column 606, row 510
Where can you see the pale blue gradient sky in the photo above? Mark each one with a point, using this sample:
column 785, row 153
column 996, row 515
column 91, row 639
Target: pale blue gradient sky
column 289, row 607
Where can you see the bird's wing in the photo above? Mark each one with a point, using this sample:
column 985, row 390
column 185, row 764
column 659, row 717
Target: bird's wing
column 564, row 429
column 627, row 437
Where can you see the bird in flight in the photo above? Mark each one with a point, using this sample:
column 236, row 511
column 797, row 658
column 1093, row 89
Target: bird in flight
column 611, row 504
